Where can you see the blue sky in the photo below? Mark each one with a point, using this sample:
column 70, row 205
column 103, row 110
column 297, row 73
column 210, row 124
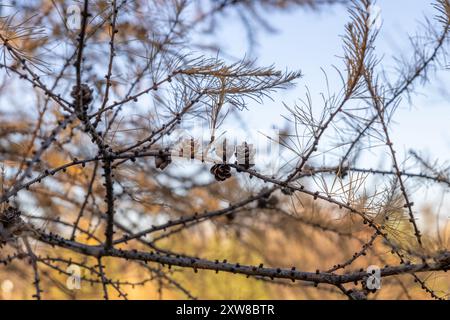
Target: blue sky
column 309, row 40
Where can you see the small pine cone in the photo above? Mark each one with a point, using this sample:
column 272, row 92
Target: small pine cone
column 162, row 161
column 85, row 94
column 267, row 200
column 10, row 217
column 221, row 171
column 12, row 225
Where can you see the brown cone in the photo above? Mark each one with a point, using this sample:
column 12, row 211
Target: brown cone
column 221, row 171
column 85, row 94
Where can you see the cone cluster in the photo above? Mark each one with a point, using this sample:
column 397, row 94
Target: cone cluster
column 84, row 94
